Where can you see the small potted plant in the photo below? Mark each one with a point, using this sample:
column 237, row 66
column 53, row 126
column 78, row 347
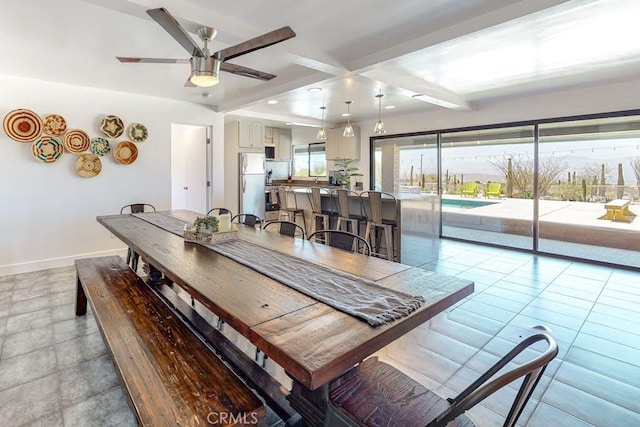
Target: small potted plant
column 201, row 230
column 345, row 171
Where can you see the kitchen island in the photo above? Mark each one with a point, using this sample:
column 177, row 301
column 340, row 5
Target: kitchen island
column 417, row 217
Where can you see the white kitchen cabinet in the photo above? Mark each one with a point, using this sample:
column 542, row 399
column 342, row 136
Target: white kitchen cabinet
column 283, row 145
column 339, row 147
column 250, row 134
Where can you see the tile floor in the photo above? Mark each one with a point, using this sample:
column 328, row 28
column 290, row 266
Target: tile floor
column 55, row 370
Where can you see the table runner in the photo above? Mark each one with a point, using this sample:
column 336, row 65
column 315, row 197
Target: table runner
column 354, row 295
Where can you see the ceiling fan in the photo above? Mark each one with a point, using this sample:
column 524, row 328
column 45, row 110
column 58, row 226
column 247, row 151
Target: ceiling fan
column 205, row 66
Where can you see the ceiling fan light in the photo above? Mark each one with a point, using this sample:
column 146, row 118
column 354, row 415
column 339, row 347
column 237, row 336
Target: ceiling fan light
column 204, row 80
column 205, row 71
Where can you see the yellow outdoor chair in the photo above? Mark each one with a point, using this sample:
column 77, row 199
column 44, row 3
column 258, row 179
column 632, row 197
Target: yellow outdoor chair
column 469, row 189
column 494, row 189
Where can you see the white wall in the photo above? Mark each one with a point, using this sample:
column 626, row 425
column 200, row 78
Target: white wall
column 47, row 211
column 576, row 101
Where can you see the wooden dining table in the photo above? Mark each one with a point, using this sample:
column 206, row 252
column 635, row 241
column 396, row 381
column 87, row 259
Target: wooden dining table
column 313, row 342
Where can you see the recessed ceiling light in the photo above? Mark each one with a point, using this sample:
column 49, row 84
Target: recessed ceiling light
column 389, row 107
column 314, row 89
column 345, row 114
column 272, row 101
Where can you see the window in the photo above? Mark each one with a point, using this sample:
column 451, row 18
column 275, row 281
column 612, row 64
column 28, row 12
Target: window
column 310, row 160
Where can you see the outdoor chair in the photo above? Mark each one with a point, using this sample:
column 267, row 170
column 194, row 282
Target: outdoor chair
column 469, row 189
column 375, row 393
column 493, row 189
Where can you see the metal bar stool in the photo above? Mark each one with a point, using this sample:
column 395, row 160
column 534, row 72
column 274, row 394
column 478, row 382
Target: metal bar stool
column 317, row 213
column 289, row 209
column 377, row 224
column 342, row 203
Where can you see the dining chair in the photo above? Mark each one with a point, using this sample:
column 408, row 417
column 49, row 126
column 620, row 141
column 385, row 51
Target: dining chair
column 317, row 213
column 376, row 393
column 377, row 226
column 248, row 219
column 343, row 240
column 288, row 228
column 352, row 215
column 132, row 256
column 219, row 211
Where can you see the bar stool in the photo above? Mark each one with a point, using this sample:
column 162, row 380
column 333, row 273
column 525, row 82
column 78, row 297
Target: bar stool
column 376, row 223
column 317, row 213
column 342, row 203
column 287, row 208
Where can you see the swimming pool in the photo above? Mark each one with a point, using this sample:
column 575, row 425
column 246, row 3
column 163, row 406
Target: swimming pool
column 465, row 204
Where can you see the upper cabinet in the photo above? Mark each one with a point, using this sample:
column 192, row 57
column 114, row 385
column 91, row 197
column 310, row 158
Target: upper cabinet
column 283, row 145
column 281, row 140
column 250, row 134
column 339, row 147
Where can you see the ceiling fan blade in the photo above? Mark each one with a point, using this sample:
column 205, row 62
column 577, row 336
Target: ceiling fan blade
column 127, row 59
column 256, row 43
column 173, row 27
column 245, row 71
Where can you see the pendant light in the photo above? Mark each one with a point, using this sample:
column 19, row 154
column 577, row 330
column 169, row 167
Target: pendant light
column 322, row 133
column 379, row 127
column 348, row 131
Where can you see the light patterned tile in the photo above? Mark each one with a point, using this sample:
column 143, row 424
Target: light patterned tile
column 546, row 416
column 31, row 401
column 588, row 407
column 106, row 409
column 604, row 365
column 601, row 386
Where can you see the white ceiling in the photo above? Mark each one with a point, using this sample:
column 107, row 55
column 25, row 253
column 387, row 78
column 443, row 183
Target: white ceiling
column 459, row 54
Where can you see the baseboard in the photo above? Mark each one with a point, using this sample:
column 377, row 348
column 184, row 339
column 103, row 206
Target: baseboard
column 45, row 264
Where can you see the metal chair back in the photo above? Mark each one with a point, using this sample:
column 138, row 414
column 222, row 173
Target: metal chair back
column 250, row 220
column 343, row 240
column 286, row 228
column 137, row 208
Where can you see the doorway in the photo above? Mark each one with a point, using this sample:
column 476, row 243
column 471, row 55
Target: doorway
column 190, row 167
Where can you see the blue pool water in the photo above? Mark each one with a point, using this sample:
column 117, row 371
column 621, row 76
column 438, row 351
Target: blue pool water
column 465, row 204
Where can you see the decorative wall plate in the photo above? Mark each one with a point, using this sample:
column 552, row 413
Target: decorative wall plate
column 76, row 141
column 88, row 165
column 138, row 132
column 54, row 124
column 22, row 125
column 47, row 149
column 125, row 152
column 112, row 126
column 100, row 146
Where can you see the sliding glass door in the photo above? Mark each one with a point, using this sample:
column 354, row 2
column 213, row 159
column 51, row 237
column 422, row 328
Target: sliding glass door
column 487, row 185
column 569, row 187
column 589, row 209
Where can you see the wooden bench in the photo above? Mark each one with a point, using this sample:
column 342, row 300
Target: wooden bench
column 171, row 376
column 618, row 210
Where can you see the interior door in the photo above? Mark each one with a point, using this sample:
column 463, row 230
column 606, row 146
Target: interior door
column 189, row 167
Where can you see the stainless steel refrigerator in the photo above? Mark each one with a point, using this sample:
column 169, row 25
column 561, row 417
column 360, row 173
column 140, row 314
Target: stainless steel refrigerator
column 252, row 183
